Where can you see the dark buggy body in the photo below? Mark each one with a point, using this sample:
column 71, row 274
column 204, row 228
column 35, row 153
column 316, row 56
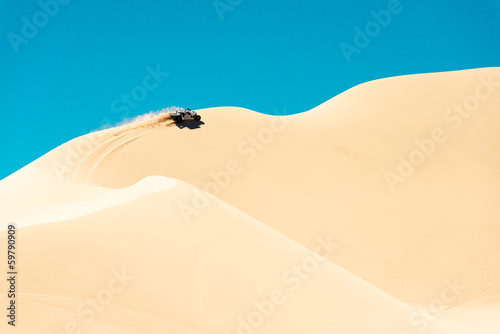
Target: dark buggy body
column 179, row 115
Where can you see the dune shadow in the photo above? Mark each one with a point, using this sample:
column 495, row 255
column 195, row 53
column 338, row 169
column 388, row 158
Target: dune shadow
column 192, row 125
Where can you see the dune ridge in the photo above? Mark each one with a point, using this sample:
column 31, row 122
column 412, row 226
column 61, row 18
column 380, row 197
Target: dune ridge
column 219, row 225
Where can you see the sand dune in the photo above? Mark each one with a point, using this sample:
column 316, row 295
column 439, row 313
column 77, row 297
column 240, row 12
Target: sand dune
column 324, row 171
column 151, row 273
column 395, row 182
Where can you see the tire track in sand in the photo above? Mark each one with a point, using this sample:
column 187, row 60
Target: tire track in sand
column 87, row 165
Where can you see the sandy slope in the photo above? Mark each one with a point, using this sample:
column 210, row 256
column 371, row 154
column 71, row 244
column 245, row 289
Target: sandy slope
column 133, row 265
column 93, row 207
column 323, row 171
column 198, row 278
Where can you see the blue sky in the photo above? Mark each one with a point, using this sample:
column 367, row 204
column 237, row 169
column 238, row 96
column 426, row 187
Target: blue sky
column 74, row 71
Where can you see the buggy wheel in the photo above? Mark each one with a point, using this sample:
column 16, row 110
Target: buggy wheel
column 197, row 117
